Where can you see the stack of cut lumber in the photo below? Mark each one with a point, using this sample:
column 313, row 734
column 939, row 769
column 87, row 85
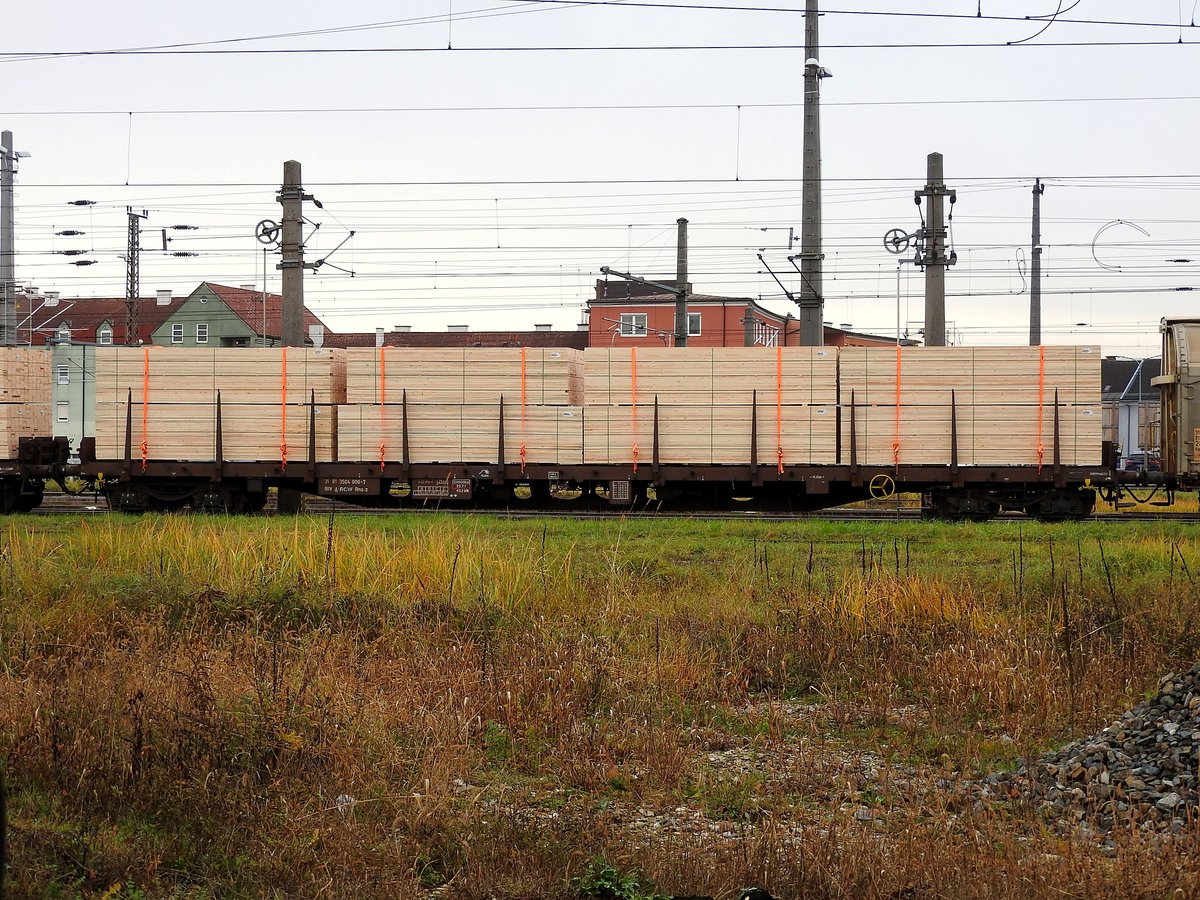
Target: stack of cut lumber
column 24, row 397
column 707, row 399
column 453, row 395
column 172, row 394
column 1004, row 398
column 544, row 376
column 450, row 433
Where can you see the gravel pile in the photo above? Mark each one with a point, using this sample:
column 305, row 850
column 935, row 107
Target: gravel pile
column 1141, row 770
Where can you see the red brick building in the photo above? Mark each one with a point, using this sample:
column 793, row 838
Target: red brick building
column 631, row 315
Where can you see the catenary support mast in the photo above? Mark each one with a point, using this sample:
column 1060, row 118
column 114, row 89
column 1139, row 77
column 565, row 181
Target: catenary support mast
column 936, row 257
column 812, row 300
column 1035, row 268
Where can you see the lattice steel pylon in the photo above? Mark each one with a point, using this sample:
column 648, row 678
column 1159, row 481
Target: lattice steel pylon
column 132, row 275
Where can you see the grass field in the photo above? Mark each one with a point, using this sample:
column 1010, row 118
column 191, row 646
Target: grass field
column 474, row 707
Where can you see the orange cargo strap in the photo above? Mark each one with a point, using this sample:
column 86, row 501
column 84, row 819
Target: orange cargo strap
column 1041, row 449
column 382, row 410
column 633, row 407
column 145, row 447
column 778, row 406
column 283, row 412
column 523, row 400
column 896, row 427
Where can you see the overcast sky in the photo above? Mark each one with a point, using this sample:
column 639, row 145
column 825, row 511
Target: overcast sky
column 473, row 202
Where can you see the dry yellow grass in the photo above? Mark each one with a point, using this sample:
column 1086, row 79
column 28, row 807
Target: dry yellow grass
column 212, row 707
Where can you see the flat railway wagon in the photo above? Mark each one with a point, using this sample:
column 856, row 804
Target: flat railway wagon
column 974, row 431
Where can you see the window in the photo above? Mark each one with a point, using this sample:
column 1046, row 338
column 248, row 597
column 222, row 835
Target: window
column 177, row 333
column 633, row 324
column 201, row 332
column 64, row 414
column 693, row 324
column 64, row 332
column 104, row 334
column 64, row 374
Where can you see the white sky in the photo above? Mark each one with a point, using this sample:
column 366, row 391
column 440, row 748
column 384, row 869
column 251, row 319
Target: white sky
column 426, row 252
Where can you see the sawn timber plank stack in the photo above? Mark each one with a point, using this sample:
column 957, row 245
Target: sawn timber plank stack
column 452, row 433
column 540, row 376
column 707, row 399
column 1004, row 397
column 453, row 396
column 172, row 393
column 25, row 401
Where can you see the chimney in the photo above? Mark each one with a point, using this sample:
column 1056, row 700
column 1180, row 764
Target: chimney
column 250, row 287
column 51, row 298
column 542, row 327
column 458, row 328
column 582, row 326
column 402, row 329
column 378, row 337
column 163, row 297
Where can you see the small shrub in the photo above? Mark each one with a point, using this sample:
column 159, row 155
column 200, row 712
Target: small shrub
column 606, row 882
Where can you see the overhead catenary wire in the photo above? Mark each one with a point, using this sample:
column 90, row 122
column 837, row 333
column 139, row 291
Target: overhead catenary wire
column 35, row 55
column 595, row 107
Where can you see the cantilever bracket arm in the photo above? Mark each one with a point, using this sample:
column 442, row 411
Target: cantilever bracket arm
column 665, row 288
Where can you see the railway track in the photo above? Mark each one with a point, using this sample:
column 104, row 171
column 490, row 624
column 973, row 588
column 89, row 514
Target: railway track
column 67, row 504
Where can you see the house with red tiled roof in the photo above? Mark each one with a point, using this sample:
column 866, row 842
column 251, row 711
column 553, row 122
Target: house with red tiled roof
column 98, row 320
column 216, row 315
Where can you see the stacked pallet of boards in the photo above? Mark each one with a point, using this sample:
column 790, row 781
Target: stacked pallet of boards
column 708, row 402
column 169, row 397
column 24, row 397
column 452, row 398
column 1003, row 398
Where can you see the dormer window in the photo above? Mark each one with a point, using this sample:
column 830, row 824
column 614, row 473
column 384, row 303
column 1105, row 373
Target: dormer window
column 64, row 333
column 104, row 334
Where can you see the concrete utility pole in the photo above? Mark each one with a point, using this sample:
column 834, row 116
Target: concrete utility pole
column 935, row 259
column 812, row 299
column 681, row 276
column 291, row 330
column 1035, row 268
column 291, row 198
column 133, row 254
column 8, row 276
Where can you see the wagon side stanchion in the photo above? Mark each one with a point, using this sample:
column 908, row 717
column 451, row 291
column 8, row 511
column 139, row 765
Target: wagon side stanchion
column 404, row 456
column 755, row 478
column 1060, row 478
column 956, row 479
column 312, row 436
column 855, row 477
column 500, row 464
column 127, row 463
column 218, row 445
column 654, row 467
